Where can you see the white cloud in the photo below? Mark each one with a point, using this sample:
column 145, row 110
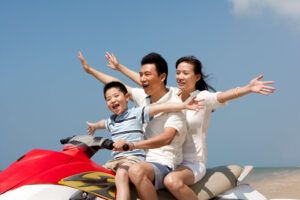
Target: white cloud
column 288, row 10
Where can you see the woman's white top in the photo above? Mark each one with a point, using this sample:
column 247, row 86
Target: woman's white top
column 194, row 147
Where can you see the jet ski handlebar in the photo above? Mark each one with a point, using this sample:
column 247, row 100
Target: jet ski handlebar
column 90, row 142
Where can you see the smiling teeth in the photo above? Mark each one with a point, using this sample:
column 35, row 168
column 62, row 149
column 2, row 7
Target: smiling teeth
column 115, row 106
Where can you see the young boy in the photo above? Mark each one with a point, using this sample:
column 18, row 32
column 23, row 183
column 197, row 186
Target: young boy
column 127, row 124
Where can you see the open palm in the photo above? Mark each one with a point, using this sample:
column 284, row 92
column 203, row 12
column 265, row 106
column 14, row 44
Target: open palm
column 261, row 87
column 195, row 104
column 91, row 128
column 85, row 65
column 112, row 60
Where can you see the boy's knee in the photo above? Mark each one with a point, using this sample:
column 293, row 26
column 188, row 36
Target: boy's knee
column 136, row 173
column 122, row 173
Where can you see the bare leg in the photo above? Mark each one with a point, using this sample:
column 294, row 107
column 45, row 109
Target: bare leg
column 122, row 182
column 142, row 176
column 178, row 181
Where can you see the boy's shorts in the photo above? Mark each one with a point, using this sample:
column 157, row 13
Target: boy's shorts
column 160, row 172
column 115, row 163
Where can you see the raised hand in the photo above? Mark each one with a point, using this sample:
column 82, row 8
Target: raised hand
column 261, row 87
column 112, row 60
column 91, row 128
column 195, row 104
column 85, row 65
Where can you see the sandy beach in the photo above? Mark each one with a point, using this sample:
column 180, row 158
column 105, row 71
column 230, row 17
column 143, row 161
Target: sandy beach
column 280, row 187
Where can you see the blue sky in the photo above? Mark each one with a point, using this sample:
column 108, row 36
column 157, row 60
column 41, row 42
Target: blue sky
column 45, row 95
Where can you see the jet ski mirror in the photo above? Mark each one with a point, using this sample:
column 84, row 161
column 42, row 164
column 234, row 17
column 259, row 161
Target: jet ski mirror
column 65, row 140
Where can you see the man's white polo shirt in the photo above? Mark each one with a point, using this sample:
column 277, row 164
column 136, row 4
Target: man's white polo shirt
column 170, row 155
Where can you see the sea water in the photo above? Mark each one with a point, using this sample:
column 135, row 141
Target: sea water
column 264, row 173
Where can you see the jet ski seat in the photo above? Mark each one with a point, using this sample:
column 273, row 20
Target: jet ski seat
column 216, row 181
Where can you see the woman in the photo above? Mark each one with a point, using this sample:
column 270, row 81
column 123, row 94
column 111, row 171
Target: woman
column 190, row 80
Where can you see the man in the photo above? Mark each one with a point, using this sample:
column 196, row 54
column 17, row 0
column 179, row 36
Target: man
column 165, row 133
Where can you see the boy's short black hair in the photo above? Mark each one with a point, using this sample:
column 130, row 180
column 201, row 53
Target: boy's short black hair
column 115, row 84
column 159, row 62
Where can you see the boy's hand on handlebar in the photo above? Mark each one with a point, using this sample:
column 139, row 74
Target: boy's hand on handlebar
column 119, row 145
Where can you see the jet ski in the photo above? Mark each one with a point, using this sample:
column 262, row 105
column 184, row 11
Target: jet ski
column 72, row 175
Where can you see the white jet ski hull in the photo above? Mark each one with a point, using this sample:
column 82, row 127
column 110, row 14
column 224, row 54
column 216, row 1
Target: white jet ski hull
column 242, row 192
column 40, row 192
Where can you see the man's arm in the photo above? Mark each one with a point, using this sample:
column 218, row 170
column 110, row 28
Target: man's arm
column 157, row 141
column 115, row 65
column 104, row 78
column 255, row 86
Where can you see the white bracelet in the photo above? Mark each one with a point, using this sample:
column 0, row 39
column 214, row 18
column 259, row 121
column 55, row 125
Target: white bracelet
column 236, row 91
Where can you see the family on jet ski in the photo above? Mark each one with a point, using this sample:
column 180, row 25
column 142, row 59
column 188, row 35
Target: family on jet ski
column 175, row 139
column 127, row 124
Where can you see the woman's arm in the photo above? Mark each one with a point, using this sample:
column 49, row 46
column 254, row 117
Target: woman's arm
column 115, row 65
column 255, row 86
column 104, row 78
column 92, row 127
column 193, row 104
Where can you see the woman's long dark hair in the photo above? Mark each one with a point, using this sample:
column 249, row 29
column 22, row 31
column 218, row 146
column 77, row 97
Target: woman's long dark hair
column 201, row 84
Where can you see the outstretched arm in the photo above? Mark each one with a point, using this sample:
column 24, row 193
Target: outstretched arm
column 104, row 78
column 92, row 127
column 115, row 65
column 193, row 104
column 255, row 86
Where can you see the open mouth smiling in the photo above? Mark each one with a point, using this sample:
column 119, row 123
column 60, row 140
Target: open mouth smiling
column 115, row 106
column 180, row 83
column 145, row 86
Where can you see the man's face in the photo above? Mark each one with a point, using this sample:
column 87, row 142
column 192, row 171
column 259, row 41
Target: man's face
column 116, row 100
column 150, row 79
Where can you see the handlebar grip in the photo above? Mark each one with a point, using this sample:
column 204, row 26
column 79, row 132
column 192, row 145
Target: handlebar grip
column 108, row 144
column 125, row 147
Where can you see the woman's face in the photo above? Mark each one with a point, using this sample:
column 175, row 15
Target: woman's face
column 186, row 78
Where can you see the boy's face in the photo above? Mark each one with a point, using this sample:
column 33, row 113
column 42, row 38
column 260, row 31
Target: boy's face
column 116, row 100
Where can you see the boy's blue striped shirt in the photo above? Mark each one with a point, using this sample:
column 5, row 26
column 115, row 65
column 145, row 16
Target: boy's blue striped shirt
column 129, row 126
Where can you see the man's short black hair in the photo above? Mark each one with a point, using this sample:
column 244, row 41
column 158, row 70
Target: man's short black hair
column 115, row 84
column 159, row 62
